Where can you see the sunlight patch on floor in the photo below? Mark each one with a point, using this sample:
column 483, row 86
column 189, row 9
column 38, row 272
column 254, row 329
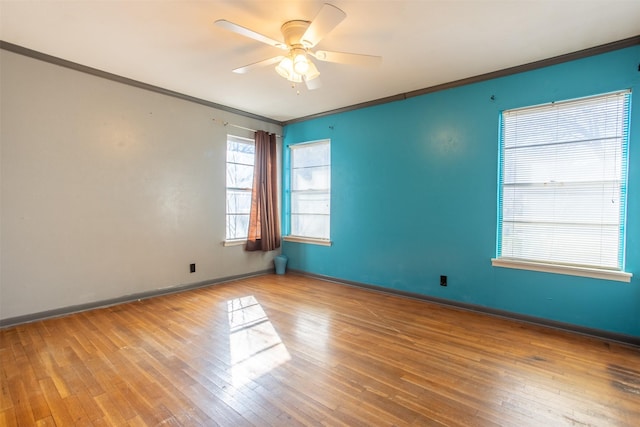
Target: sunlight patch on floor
column 255, row 346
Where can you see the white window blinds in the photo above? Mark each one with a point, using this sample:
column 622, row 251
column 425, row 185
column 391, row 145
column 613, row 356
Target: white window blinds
column 563, row 182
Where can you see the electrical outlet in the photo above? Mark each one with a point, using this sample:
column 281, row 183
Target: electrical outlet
column 192, row 268
column 443, row 280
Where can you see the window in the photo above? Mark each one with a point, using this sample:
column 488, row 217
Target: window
column 240, row 158
column 563, row 169
column 310, row 191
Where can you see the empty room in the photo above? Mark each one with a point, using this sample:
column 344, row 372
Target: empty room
column 305, row 213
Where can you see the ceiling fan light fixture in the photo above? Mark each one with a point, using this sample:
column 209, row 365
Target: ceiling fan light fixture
column 285, row 67
column 300, row 61
column 312, row 73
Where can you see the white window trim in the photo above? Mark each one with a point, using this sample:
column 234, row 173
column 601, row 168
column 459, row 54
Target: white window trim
column 306, row 239
column 595, row 273
column 573, row 270
column 310, row 240
column 234, row 242
column 242, row 240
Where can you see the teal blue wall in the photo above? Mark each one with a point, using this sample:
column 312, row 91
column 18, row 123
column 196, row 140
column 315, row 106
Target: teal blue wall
column 414, row 186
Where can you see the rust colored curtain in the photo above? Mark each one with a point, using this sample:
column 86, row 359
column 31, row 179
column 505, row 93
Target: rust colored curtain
column 264, row 221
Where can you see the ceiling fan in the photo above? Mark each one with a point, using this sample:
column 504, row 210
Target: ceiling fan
column 300, row 37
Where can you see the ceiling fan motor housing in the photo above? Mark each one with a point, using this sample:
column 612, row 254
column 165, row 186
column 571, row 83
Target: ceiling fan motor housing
column 292, row 31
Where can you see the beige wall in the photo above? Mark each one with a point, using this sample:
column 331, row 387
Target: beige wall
column 107, row 190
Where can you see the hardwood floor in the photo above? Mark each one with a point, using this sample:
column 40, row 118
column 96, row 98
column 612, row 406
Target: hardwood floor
column 290, row 350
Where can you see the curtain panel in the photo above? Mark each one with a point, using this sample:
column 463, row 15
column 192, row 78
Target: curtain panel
column 264, row 220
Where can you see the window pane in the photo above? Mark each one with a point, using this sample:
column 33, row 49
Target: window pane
column 309, row 203
column 589, row 245
column 580, row 161
column 239, row 176
column 315, row 226
column 593, row 118
column 237, row 226
column 306, row 155
column 238, row 201
column 312, row 178
column 240, row 152
column 584, row 204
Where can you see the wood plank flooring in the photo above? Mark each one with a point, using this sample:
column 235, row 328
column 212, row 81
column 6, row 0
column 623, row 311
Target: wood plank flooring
column 291, row 350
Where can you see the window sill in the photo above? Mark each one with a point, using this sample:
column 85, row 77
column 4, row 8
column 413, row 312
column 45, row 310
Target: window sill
column 595, row 273
column 310, row 240
column 234, row 242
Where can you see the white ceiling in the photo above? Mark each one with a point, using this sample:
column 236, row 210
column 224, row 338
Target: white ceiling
column 174, row 44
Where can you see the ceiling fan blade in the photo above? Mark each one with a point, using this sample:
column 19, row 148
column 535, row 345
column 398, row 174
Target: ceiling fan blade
column 264, row 63
column 347, row 58
column 239, row 29
column 325, row 21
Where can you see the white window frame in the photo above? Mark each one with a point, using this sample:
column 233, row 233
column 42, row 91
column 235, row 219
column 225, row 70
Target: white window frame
column 324, row 240
column 230, row 241
column 557, row 263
